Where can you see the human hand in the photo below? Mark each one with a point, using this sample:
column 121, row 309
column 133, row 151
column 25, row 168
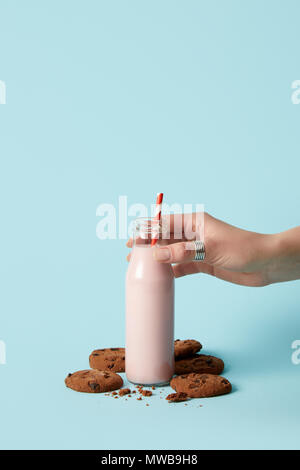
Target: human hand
column 232, row 254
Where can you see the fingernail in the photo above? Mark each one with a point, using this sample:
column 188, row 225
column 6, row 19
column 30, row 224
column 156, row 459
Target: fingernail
column 162, row 254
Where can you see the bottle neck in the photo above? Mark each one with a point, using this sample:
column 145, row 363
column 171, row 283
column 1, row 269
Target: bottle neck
column 145, row 230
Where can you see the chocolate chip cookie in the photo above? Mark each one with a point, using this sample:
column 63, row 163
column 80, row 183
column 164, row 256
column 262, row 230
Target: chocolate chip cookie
column 111, row 359
column 177, row 397
column 201, row 385
column 186, row 347
column 93, row 381
column 199, row 363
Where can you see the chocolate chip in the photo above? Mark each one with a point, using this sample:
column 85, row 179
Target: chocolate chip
column 94, row 386
column 110, row 359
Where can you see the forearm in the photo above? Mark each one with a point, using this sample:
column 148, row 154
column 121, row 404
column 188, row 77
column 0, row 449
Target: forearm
column 284, row 263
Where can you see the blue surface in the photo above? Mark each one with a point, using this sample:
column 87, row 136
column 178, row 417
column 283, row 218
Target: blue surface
column 130, row 98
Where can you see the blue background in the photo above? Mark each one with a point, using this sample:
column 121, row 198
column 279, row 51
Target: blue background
column 109, row 98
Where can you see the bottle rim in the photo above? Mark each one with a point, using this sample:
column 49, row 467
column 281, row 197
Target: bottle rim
column 148, row 225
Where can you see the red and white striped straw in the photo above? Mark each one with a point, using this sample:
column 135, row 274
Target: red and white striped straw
column 157, row 215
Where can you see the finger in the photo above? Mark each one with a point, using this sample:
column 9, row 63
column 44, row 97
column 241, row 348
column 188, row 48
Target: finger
column 184, row 269
column 129, row 243
column 176, row 253
column 180, row 226
column 163, row 241
column 128, row 257
column 246, row 279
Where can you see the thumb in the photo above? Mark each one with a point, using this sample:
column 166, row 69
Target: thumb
column 175, row 253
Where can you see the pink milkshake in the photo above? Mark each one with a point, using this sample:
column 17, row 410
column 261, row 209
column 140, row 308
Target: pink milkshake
column 149, row 312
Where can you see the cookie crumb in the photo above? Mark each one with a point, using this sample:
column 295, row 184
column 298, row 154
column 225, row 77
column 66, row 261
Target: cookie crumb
column 177, row 397
column 139, row 398
column 124, row 391
column 146, row 393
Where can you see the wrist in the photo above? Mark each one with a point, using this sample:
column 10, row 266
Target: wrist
column 284, row 256
column 267, row 250
column 273, row 249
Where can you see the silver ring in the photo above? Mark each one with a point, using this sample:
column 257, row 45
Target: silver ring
column 199, row 250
